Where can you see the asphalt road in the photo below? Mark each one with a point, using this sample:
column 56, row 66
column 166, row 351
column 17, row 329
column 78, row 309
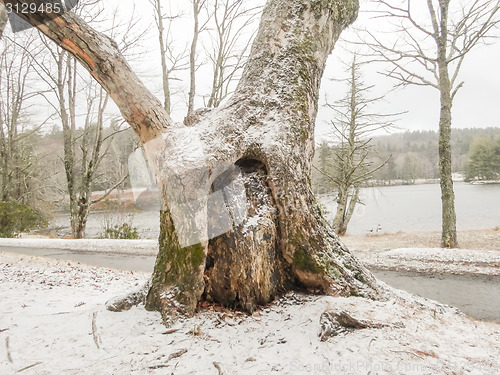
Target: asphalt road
column 116, row 261
column 477, row 296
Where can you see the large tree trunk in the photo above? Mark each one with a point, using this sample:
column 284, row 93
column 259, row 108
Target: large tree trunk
column 239, row 223
column 266, row 130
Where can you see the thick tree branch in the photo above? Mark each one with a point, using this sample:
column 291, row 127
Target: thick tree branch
column 102, row 58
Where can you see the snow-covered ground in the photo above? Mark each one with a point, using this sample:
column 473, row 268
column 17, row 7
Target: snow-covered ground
column 53, row 321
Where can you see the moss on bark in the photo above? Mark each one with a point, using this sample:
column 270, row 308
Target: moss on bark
column 178, row 275
column 303, row 261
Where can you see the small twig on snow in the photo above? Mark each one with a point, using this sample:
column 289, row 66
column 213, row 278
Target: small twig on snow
column 9, row 357
column 28, row 367
column 176, row 354
column 155, row 367
column 217, row 366
column 169, row 331
column 370, row 343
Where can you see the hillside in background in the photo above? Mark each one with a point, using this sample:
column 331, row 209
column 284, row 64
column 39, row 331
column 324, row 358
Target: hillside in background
column 414, row 155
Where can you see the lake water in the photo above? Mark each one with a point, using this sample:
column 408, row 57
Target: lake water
column 417, row 208
column 409, row 208
column 146, row 222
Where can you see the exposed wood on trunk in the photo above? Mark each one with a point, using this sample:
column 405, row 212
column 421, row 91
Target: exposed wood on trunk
column 257, row 272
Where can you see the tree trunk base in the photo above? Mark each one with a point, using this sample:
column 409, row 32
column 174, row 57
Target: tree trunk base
column 247, row 267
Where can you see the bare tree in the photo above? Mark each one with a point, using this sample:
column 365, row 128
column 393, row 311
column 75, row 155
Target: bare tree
column 230, row 43
column 19, row 167
column 171, row 61
column 430, row 51
column 254, row 153
column 352, row 161
column 198, row 6
column 84, row 144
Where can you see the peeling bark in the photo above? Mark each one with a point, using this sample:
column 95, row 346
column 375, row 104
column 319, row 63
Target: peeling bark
column 244, row 267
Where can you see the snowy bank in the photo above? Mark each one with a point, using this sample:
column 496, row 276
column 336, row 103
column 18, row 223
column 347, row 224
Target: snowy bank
column 127, row 247
column 53, row 321
column 456, row 261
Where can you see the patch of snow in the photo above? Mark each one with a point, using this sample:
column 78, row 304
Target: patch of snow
column 54, row 320
column 128, row 247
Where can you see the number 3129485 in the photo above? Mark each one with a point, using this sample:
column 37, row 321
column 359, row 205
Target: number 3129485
column 30, row 8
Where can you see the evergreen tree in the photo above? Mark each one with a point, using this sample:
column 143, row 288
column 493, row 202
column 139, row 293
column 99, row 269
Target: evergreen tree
column 484, row 160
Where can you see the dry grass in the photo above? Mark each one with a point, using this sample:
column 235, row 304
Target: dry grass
column 472, row 239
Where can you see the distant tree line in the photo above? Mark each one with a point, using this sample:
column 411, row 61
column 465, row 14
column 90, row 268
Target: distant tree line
column 414, row 156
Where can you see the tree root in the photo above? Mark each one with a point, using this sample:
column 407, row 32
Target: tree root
column 334, row 323
column 126, row 302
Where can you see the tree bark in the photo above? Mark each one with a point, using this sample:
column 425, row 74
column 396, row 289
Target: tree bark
column 248, row 161
column 449, row 219
column 339, row 221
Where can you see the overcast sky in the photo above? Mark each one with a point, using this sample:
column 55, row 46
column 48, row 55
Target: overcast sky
column 476, row 105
